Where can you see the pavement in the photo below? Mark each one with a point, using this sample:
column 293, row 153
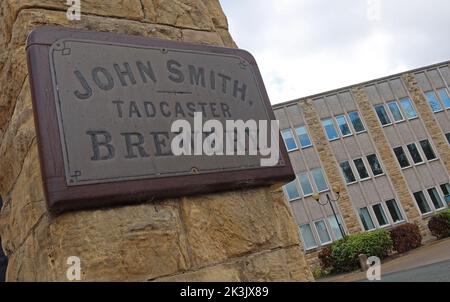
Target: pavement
column 430, row 262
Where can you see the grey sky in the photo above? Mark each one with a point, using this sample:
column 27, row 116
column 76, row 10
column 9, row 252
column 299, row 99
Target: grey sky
column 305, row 47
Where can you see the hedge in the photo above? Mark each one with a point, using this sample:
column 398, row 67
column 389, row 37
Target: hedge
column 439, row 224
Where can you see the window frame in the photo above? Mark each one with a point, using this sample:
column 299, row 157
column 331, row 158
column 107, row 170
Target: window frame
column 365, row 167
column 371, row 218
column 418, row 151
column 406, row 156
column 379, row 162
column 431, row 147
column 444, row 205
column 387, row 114
column 310, row 183
column 324, row 178
column 410, row 102
column 326, row 228
column 286, row 191
column 399, row 110
column 440, row 96
column 338, row 221
column 399, row 209
column 426, row 201
column 312, row 234
column 293, row 138
column 343, row 174
column 346, row 122
column 307, row 134
column 436, row 97
column 334, row 127
column 353, row 125
column 388, row 223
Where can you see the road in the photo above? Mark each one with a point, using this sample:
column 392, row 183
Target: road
column 437, row 272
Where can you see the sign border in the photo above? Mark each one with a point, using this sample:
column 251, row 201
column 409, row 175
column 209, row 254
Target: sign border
column 61, row 197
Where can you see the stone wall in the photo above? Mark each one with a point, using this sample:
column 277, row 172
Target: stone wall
column 243, row 235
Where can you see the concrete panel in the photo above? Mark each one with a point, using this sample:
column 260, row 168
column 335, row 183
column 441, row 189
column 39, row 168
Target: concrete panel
column 412, row 180
column 321, row 108
column 422, row 81
column 384, row 188
column 347, row 101
column 372, row 94
column 295, row 115
column 398, row 88
column 443, row 120
column 370, row 192
column 445, row 72
column 365, row 143
column 386, row 91
column 435, row 78
column 282, row 117
column 334, row 105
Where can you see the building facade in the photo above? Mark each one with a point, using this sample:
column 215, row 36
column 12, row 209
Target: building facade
column 383, row 143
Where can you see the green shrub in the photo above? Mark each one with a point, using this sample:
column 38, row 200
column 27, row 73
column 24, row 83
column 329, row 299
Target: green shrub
column 342, row 255
column 439, row 224
column 345, row 252
column 406, row 237
column 319, row 272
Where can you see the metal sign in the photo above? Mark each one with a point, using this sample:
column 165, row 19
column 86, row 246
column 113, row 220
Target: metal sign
column 104, row 105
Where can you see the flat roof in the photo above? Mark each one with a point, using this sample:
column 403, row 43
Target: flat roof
column 334, row 91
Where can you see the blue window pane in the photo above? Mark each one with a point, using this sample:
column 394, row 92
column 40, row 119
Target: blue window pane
column 330, row 129
column 382, row 115
column 303, row 137
column 408, row 108
column 307, row 236
column 393, row 107
column 433, row 101
column 366, row 219
column 443, row 93
column 319, row 179
column 343, row 125
column 335, row 227
column 305, row 184
column 356, row 121
column 289, row 140
column 322, row 231
column 292, row 191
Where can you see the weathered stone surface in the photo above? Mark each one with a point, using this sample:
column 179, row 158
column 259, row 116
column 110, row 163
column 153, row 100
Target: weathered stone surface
column 129, row 9
column 179, row 13
column 25, row 205
column 17, row 140
column 279, row 265
column 236, row 236
column 11, row 81
column 235, row 223
column 202, row 37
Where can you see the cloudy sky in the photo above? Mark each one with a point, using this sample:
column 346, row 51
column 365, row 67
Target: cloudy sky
column 305, row 47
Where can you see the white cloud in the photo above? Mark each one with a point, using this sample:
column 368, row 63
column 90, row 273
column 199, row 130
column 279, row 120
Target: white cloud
column 306, row 47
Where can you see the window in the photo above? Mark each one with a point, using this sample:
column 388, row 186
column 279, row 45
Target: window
column 322, row 231
column 289, row 140
column 292, row 191
column 433, row 101
column 356, row 121
column 343, row 125
column 348, row 172
column 361, row 168
column 415, row 155
column 382, row 115
column 319, row 179
column 307, row 236
column 335, row 227
column 427, row 149
column 374, row 164
column 396, row 113
column 305, row 184
column 443, row 94
column 447, row 135
column 366, row 219
column 394, row 210
column 401, row 157
column 424, row 207
column 330, row 129
column 380, row 215
column 435, row 198
column 303, row 137
column 445, row 188
column 408, row 108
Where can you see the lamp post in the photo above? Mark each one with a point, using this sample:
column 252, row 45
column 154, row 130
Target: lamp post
column 329, row 201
